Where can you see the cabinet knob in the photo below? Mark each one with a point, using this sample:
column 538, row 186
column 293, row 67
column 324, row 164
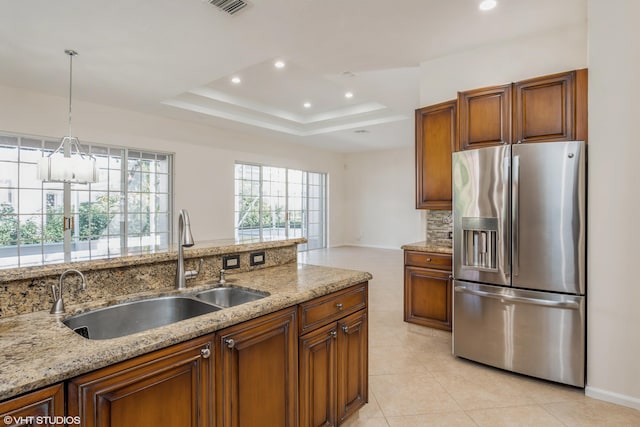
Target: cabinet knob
column 333, row 334
column 205, row 352
column 345, row 329
column 339, row 306
column 428, row 259
column 230, row 342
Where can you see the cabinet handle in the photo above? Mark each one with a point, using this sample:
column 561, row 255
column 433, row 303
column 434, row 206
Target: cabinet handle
column 333, row 334
column 345, row 329
column 206, row 352
column 339, row 306
column 230, row 342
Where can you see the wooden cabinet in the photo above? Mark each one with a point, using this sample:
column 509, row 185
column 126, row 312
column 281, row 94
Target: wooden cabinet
column 38, row 408
column 551, row 108
column 547, row 108
column 435, row 141
column 168, row 387
column 427, row 289
column 257, row 381
column 484, row 117
column 334, row 359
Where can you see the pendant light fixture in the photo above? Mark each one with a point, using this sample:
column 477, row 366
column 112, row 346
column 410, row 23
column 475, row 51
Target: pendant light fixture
column 68, row 163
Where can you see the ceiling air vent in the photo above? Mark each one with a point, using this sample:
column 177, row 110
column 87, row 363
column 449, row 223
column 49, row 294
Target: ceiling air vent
column 229, row 6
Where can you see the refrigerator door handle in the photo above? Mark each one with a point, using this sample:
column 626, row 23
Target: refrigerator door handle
column 515, row 214
column 515, row 299
column 506, row 258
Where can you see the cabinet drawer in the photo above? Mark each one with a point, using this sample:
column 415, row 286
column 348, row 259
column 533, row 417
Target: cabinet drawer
column 323, row 310
column 427, row 260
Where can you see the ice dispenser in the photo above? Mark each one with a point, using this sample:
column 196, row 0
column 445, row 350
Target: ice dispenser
column 479, row 243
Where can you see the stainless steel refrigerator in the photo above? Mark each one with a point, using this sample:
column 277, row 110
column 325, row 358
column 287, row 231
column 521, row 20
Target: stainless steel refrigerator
column 519, row 255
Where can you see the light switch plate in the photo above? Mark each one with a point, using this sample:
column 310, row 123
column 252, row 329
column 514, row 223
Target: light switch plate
column 256, row 258
column 231, row 261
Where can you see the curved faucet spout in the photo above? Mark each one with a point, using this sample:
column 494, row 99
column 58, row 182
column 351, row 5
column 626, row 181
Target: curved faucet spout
column 185, row 239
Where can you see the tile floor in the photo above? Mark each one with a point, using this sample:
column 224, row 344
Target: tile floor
column 415, row 381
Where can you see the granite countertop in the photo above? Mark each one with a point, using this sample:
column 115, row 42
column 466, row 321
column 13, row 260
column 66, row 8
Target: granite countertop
column 436, row 247
column 205, row 248
column 37, row 349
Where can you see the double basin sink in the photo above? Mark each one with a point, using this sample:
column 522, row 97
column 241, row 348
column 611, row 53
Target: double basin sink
column 136, row 316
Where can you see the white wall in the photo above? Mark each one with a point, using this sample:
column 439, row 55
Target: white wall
column 380, row 203
column 204, row 156
column 613, row 352
column 518, row 59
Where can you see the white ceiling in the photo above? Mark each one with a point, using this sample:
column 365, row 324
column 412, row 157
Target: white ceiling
column 175, row 58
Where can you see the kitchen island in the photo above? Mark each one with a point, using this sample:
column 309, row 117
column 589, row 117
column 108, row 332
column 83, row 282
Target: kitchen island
column 39, row 350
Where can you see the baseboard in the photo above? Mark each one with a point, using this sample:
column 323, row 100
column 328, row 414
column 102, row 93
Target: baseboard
column 609, row 396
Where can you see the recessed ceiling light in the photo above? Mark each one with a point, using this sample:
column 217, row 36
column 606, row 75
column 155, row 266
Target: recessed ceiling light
column 487, row 4
column 236, row 80
column 348, row 95
column 307, row 105
column 279, row 64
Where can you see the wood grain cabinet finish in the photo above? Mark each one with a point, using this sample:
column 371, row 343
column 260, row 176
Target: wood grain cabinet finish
column 334, row 365
column 257, row 381
column 172, row 387
column 435, row 141
column 24, row 410
column 484, row 117
column 551, row 108
column 427, row 290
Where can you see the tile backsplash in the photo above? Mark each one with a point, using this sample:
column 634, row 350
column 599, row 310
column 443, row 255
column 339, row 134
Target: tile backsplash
column 439, row 227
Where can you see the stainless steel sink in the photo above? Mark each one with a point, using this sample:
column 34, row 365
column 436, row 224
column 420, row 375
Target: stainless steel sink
column 128, row 318
column 230, row 296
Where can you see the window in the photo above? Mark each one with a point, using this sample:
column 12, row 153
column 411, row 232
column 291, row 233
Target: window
column 274, row 203
column 127, row 211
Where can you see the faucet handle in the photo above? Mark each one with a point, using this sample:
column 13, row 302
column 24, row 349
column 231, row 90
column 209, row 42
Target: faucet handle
column 190, row 274
column 222, row 280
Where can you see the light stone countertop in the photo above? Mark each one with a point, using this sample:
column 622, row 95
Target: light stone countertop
column 37, row 349
column 425, row 246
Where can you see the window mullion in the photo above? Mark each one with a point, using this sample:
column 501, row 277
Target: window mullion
column 124, row 191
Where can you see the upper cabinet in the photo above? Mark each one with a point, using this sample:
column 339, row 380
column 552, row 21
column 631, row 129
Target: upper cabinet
column 435, row 141
column 484, row 117
column 547, row 108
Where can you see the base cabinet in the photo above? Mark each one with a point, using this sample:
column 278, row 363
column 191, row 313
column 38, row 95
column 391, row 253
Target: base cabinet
column 427, row 290
column 171, row 387
column 334, row 360
column 42, row 408
column 257, row 382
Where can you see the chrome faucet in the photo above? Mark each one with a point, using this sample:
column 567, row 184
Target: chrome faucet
column 185, row 240
column 58, row 302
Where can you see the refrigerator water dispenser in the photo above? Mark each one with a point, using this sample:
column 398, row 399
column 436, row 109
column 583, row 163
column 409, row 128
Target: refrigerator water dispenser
column 479, row 243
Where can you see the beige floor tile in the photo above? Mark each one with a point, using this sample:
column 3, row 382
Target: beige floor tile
column 542, row 391
column 369, row 422
column 371, row 409
column 482, row 388
column 447, row 419
column 410, row 394
column 590, row 412
column 396, row 360
column 519, row 416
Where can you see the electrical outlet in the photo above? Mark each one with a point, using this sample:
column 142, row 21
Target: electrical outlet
column 256, row 258
column 230, row 261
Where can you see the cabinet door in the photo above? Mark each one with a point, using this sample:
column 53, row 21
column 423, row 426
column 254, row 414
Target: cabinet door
column 48, row 402
column 169, row 387
column 551, row 108
column 353, row 364
column 427, row 297
column 257, row 382
column 435, row 141
column 318, row 377
column 484, row 117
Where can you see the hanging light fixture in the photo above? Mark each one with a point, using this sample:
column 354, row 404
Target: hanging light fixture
column 68, row 163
